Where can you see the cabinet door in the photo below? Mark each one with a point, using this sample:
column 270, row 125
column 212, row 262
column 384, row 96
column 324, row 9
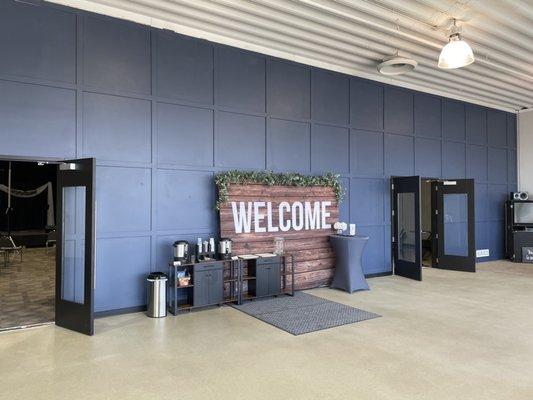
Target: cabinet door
column 201, row 288
column 274, row 279
column 216, row 286
column 261, row 280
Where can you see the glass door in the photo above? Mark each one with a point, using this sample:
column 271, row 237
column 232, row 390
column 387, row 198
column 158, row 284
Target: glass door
column 75, row 245
column 406, row 243
column 456, row 243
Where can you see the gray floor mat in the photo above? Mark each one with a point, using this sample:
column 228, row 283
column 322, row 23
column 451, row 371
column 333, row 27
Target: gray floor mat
column 303, row 313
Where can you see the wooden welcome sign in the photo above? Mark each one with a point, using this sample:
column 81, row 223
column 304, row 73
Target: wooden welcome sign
column 253, row 214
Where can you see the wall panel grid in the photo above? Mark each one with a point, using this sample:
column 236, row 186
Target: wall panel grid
column 162, row 113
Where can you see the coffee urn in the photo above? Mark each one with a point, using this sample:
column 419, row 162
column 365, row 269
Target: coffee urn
column 181, row 250
column 224, row 249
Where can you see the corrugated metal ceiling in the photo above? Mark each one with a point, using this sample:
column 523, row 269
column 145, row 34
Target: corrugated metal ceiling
column 354, row 36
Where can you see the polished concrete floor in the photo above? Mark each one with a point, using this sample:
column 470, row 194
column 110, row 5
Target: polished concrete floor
column 27, row 288
column 453, row 336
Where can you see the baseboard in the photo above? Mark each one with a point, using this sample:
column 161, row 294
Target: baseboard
column 130, row 310
column 497, row 257
column 120, row 311
column 375, row 275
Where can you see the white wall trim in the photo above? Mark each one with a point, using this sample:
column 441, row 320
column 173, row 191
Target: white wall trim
column 518, row 147
column 518, row 168
column 524, row 152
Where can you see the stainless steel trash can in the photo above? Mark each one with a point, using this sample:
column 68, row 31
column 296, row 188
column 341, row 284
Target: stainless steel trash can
column 157, row 295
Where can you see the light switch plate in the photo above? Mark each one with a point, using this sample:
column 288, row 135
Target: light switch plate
column 483, row 253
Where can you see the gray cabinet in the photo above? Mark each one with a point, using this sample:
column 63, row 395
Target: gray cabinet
column 267, row 280
column 208, row 280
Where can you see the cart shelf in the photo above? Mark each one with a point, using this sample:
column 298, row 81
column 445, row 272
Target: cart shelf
column 229, row 274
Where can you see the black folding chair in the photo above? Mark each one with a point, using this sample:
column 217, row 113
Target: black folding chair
column 51, row 240
column 8, row 247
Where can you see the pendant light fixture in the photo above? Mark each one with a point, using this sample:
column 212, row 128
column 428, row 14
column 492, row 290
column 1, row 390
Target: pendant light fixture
column 456, row 53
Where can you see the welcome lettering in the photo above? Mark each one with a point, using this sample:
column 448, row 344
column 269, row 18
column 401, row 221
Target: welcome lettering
column 258, row 216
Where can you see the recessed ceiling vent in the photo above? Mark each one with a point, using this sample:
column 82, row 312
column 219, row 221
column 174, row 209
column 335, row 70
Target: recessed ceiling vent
column 396, row 65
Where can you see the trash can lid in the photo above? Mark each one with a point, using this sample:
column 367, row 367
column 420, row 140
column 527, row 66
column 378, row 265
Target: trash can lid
column 155, row 276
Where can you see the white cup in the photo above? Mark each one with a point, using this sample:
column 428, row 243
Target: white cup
column 352, row 229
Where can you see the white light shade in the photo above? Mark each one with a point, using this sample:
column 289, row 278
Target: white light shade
column 457, row 53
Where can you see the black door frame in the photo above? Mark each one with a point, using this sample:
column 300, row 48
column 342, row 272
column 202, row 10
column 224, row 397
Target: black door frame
column 433, row 222
column 440, row 259
column 76, row 316
column 406, row 184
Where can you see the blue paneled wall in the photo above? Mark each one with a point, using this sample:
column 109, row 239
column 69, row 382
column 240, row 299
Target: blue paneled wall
column 162, row 113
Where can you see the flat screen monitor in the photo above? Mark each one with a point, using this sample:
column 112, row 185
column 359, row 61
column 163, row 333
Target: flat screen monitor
column 523, row 213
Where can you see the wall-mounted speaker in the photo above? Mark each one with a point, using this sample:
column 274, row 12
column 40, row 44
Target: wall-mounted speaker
column 519, row 196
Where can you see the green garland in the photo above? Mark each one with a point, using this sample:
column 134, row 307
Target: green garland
column 224, row 179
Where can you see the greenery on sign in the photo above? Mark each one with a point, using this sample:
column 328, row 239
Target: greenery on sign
column 224, row 179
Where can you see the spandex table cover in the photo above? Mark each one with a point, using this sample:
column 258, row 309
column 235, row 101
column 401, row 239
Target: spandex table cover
column 349, row 274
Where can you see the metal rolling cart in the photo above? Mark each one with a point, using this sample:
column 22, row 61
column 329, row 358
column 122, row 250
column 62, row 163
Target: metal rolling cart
column 218, row 282
column 266, row 277
column 213, row 282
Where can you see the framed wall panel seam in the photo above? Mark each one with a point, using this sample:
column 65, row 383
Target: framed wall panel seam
column 124, row 164
column 79, row 85
column 414, row 133
column 132, row 165
column 310, row 121
column 37, row 81
column 213, row 102
column 123, row 235
column 172, row 232
column 486, row 114
column 116, row 93
column 265, row 83
column 349, row 129
column 154, row 151
column 442, row 140
column 466, row 151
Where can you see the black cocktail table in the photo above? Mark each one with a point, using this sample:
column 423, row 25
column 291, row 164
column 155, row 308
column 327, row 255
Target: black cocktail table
column 349, row 274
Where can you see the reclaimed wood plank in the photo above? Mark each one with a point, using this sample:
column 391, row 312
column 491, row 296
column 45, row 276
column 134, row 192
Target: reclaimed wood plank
column 257, row 190
column 290, row 245
column 263, row 237
column 314, row 256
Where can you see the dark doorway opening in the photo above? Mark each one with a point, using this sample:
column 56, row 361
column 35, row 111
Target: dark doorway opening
column 27, row 243
column 427, row 214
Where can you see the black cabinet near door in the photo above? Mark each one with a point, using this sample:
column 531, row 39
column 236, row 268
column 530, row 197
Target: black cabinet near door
column 208, row 285
column 217, row 282
column 213, row 282
column 267, row 272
